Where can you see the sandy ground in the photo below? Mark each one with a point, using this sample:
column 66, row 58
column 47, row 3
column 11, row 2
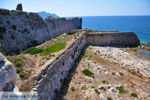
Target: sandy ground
column 114, row 66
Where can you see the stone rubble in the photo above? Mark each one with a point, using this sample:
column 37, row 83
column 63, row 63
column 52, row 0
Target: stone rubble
column 125, row 59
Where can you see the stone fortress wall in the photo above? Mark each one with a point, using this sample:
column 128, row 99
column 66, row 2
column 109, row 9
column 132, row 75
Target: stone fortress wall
column 20, row 30
column 113, row 38
column 50, row 79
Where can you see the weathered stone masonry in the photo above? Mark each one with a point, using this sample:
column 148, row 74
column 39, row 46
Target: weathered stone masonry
column 126, row 39
column 19, row 30
column 51, row 77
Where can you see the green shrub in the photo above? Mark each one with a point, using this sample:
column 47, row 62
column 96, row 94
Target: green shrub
column 96, row 91
column 84, row 56
column 105, row 82
column 134, row 95
column 84, row 87
column 90, row 55
column 21, row 74
column 87, row 72
column 18, row 63
column 92, row 87
column 89, row 58
column 121, row 74
column 33, row 50
column 20, row 58
column 53, row 48
column 121, row 90
column 18, row 69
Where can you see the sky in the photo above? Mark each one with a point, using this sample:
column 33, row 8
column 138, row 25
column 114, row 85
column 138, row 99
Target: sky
column 69, row 8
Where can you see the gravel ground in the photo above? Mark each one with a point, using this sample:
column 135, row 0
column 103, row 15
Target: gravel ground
column 124, row 58
column 109, row 75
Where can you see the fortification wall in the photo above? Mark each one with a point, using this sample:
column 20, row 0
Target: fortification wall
column 51, row 78
column 19, row 30
column 126, row 39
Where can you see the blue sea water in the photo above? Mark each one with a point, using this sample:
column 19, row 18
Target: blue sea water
column 138, row 24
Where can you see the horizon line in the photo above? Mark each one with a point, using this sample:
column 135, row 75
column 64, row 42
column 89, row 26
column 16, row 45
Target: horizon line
column 103, row 15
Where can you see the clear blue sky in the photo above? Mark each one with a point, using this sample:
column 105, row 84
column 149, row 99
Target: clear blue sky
column 82, row 7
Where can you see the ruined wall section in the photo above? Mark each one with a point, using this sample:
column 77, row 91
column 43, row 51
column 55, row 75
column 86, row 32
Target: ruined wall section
column 20, row 30
column 124, row 39
column 59, row 26
column 51, row 78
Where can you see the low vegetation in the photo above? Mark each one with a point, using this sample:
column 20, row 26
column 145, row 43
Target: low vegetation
column 121, row 90
column 33, row 50
column 21, row 74
column 17, row 63
column 105, row 82
column 96, row 91
column 134, row 95
column 134, row 49
column 84, row 87
column 87, row 73
column 121, row 74
column 18, row 69
column 85, row 55
column 53, row 48
column 20, row 58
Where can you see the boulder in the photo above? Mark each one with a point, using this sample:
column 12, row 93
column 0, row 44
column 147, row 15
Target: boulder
column 19, row 7
column 7, row 73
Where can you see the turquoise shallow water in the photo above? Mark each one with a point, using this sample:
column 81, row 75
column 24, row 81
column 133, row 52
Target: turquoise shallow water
column 138, row 24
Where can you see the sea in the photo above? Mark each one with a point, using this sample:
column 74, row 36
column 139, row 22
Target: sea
column 138, row 24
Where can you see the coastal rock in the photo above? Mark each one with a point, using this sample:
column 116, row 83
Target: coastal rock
column 7, row 74
column 19, row 7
